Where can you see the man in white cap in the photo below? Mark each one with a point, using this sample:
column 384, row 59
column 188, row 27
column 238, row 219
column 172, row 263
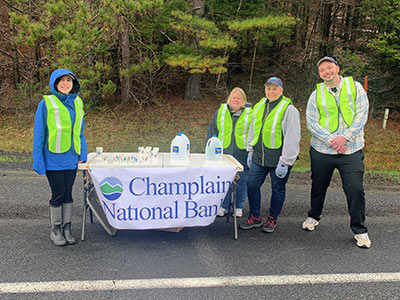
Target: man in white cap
column 273, row 145
column 336, row 114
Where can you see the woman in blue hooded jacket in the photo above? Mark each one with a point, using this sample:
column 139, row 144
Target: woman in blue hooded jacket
column 58, row 147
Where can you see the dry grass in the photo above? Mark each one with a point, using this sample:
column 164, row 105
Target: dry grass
column 155, row 126
column 129, row 128
column 382, row 147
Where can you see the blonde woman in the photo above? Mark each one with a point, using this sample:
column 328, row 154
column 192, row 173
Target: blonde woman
column 231, row 123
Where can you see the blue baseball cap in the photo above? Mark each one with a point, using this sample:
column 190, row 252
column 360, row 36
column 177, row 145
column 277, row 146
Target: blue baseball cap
column 327, row 58
column 275, row 81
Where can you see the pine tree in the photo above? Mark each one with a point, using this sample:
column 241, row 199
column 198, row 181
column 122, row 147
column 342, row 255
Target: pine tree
column 198, row 48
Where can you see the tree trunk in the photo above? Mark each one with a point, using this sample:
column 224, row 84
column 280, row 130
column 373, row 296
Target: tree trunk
column 254, row 58
column 295, row 13
column 355, row 21
column 305, row 22
column 38, row 64
column 125, row 62
column 192, row 89
column 16, row 71
column 326, row 23
column 347, row 28
column 198, row 6
column 11, row 58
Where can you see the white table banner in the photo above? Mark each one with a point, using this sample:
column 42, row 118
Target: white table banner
column 146, row 198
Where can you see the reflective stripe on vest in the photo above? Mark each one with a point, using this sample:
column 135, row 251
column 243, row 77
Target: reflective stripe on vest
column 79, row 113
column 60, row 127
column 272, row 129
column 258, row 112
column 328, row 108
column 225, row 126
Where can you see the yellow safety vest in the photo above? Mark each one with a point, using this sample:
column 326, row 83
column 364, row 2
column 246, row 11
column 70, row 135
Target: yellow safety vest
column 60, row 127
column 272, row 130
column 328, row 108
column 225, row 126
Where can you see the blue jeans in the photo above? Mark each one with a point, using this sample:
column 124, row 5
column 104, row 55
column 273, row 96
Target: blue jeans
column 256, row 179
column 241, row 191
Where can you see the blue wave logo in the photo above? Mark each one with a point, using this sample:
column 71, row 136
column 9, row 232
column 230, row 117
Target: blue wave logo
column 111, row 188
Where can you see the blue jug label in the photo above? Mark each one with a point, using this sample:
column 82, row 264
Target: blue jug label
column 175, row 149
column 218, row 150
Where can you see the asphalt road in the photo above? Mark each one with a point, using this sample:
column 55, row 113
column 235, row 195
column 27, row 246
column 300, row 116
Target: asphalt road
column 201, row 262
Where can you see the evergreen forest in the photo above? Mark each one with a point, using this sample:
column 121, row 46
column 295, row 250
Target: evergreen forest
column 136, row 52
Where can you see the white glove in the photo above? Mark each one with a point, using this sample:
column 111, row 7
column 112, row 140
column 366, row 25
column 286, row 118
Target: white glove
column 281, row 170
column 249, row 159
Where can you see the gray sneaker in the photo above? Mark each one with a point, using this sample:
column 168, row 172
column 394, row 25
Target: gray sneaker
column 269, row 224
column 251, row 222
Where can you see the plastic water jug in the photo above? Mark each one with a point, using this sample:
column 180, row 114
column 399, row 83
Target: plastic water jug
column 214, row 149
column 187, row 141
column 179, row 148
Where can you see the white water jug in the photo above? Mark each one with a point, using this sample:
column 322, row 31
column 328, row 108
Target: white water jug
column 187, row 142
column 179, row 148
column 214, row 149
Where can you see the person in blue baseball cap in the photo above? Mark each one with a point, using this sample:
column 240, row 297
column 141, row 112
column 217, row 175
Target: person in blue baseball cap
column 337, row 111
column 274, row 81
column 273, row 145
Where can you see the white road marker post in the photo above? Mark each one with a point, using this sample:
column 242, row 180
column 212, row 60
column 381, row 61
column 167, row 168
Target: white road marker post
column 385, row 118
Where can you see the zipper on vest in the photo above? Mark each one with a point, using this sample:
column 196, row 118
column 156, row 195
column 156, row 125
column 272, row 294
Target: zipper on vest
column 262, row 127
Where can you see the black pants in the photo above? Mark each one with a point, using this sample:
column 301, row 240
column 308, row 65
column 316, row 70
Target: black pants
column 61, row 183
column 351, row 170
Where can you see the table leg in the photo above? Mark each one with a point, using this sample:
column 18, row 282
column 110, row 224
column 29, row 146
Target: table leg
column 232, row 190
column 233, row 197
column 85, row 205
column 91, row 215
column 83, row 224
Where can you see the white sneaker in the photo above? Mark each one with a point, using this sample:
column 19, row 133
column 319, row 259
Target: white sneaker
column 221, row 212
column 310, row 224
column 239, row 212
column 363, row 240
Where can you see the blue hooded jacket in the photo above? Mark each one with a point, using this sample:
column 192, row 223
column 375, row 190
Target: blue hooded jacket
column 43, row 159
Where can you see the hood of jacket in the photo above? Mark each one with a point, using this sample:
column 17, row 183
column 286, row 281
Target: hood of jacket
column 76, row 88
